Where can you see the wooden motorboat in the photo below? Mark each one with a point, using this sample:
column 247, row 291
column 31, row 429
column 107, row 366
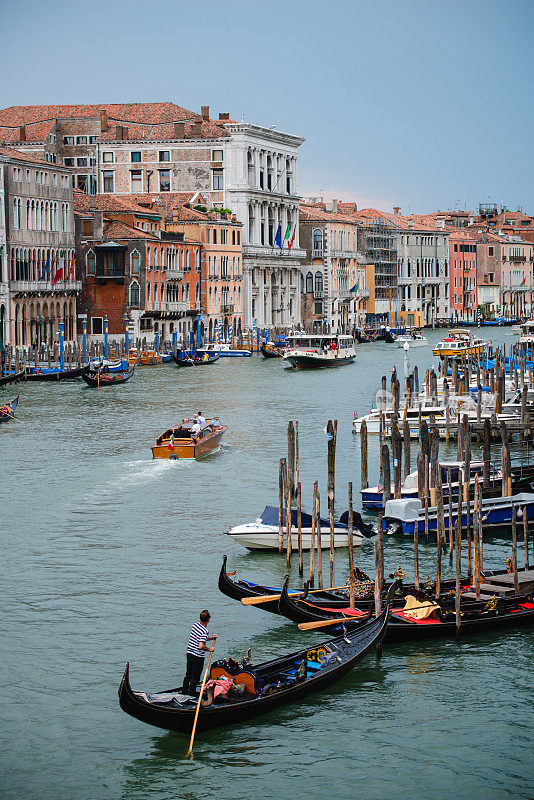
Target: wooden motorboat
column 51, row 374
column 477, row 616
column 270, row 351
column 195, row 361
column 144, row 357
column 7, row 410
column 267, row 685
column 319, row 350
column 179, row 441
column 100, row 378
column 262, row 534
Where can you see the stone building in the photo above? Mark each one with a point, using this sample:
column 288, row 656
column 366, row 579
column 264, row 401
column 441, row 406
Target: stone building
column 140, row 148
column 488, row 273
column 37, row 263
column 516, row 276
column 131, row 267
column 333, row 288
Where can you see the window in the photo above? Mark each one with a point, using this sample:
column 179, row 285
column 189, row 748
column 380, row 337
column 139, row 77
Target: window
column 134, row 294
column 216, row 155
column 97, row 325
column 318, row 307
column 490, row 251
column 91, row 263
column 309, row 283
column 107, row 180
column 93, row 139
column 108, row 158
column 317, row 239
column 17, row 174
column 215, row 236
column 318, row 281
column 81, row 140
column 68, row 140
column 28, row 176
column 135, row 157
column 135, row 262
column 136, row 181
column 81, row 162
column 164, row 155
column 82, row 182
column 224, row 236
column 218, row 179
column 164, row 180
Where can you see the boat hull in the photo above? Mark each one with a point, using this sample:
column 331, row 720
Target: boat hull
column 201, row 449
column 255, row 537
column 316, row 362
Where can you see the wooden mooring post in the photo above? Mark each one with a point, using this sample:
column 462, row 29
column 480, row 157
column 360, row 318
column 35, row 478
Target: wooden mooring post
column 352, row 599
column 281, row 504
column 299, row 529
column 363, row 455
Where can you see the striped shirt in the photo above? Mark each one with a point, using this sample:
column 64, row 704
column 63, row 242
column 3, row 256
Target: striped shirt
column 199, row 633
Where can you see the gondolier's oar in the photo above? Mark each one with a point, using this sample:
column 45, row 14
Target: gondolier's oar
column 264, row 598
column 309, row 626
column 190, row 751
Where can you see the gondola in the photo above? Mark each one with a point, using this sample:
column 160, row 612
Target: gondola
column 12, row 377
column 7, row 410
column 195, row 361
column 241, row 589
column 270, row 351
column 267, row 686
column 477, row 616
column 50, row 374
column 99, row 378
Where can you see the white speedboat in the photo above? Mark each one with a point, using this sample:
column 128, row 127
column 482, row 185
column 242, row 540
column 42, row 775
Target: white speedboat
column 224, row 350
column 413, row 339
column 262, row 534
column 527, row 332
column 319, row 350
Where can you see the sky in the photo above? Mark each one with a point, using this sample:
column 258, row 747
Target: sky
column 417, row 103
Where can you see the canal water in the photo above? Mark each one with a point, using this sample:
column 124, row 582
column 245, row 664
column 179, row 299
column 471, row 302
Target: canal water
column 109, row 556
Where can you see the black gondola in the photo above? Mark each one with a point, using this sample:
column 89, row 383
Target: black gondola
column 54, row 375
column 12, row 377
column 98, row 378
column 270, row 351
column 7, row 410
column 268, row 685
column 195, row 361
column 477, row 616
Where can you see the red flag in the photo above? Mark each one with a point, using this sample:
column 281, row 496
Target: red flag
column 290, row 243
column 524, row 281
column 58, row 276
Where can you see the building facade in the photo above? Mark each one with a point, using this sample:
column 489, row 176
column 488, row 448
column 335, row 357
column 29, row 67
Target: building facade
column 516, row 276
column 38, row 262
column 463, row 275
column 4, row 272
column 423, row 272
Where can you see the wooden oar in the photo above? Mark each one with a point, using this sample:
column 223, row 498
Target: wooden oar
column 190, row 751
column 309, row 626
column 264, row 598
column 7, row 414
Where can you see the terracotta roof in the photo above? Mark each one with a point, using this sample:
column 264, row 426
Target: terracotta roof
column 314, row 213
column 109, row 203
column 166, row 202
column 10, row 152
column 120, row 230
column 144, row 121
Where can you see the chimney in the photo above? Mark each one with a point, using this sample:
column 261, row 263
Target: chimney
column 196, row 130
column 205, row 111
column 22, row 133
column 396, row 210
column 179, row 130
column 440, row 224
column 224, row 115
column 121, row 132
column 103, row 120
column 98, row 225
column 334, row 206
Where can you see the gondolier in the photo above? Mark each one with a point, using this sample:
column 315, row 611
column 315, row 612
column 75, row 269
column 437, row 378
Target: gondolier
column 196, row 651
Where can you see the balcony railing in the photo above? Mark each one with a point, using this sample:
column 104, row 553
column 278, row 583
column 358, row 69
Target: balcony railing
column 182, row 306
column 344, row 254
column 318, row 294
column 517, row 259
column 45, row 286
column 317, row 253
column 174, row 274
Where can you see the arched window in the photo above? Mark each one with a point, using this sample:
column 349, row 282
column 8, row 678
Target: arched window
column 135, row 262
column 90, row 260
column 135, row 294
column 309, row 283
column 318, row 281
column 317, row 239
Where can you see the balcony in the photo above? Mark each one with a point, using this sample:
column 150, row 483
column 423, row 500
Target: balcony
column 317, row 254
column 174, row 274
column 180, row 307
column 344, row 294
column 318, row 294
column 45, row 286
column 517, row 259
column 343, row 254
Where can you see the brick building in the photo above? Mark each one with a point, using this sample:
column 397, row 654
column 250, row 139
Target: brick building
column 463, row 275
column 37, row 284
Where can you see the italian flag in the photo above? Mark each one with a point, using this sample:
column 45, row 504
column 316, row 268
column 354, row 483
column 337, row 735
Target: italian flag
column 59, row 271
column 356, row 290
column 171, row 442
column 290, row 243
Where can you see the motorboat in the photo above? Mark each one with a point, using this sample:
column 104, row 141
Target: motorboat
column 180, row 441
column 413, row 339
column 224, row 349
column 458, row 343
column 262, row 534
column 526, row 331
column 406, row 515
column 319, row 350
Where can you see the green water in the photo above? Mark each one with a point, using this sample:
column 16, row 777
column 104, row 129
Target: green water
column 108, row 556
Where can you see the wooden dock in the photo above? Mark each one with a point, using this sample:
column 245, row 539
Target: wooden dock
column 503, row 585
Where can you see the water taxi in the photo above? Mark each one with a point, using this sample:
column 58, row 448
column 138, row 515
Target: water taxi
column 527, row 332
column 320, row 350
column 459, row 343
column 180, row 441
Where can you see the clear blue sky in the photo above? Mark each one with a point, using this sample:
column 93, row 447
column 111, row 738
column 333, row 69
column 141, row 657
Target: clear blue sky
column 416, row 103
